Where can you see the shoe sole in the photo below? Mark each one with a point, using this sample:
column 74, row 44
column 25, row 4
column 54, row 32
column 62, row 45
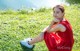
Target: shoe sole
column 26, row 48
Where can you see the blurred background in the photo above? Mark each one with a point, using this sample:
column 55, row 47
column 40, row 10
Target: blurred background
column 19, row 4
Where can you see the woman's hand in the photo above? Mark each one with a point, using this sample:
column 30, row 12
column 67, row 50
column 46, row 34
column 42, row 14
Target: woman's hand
column 56, row 20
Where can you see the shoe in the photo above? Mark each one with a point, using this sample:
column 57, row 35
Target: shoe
column 26, row 46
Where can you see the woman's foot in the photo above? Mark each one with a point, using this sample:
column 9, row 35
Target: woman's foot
column 25, row 44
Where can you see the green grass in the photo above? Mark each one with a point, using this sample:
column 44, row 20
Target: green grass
column 17, row 25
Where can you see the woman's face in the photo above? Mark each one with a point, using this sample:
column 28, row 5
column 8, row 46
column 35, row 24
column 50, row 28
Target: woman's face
column 57, row 13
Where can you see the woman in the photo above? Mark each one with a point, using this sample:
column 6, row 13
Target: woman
column 58, row 36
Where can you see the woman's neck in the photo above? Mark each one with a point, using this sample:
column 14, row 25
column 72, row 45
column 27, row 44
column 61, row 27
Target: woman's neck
column 62, row 19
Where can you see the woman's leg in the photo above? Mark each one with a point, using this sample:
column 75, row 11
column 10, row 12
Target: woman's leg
column 38, row 38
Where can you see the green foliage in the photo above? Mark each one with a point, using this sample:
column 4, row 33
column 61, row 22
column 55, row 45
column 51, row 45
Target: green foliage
column 42, row 9
column 17, row 26
column 9, row 11
column 23, row 11
column 73, row 1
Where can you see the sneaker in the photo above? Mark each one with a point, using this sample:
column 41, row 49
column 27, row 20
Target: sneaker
column 26, row 46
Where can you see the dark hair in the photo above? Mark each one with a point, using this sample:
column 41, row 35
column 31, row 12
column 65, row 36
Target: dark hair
column 60, row 7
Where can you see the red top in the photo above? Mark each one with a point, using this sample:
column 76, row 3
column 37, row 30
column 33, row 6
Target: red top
column 60, row 41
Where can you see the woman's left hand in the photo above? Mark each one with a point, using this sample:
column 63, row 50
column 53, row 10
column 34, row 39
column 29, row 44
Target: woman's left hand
column 56, row 20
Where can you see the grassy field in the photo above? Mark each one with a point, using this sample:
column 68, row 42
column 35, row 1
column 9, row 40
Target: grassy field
column 17, row 25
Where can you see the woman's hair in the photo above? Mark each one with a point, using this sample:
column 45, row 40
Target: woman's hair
column 60, row 7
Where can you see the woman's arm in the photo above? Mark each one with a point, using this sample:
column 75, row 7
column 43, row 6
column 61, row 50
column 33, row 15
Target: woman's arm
column 45, row 29
column 58, row 27
column 52, row 23
column 48, row 27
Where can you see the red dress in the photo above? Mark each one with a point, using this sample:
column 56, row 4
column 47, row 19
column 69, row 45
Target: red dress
column 60, row 41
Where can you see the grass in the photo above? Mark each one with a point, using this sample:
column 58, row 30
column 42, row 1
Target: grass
column 17, row 25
